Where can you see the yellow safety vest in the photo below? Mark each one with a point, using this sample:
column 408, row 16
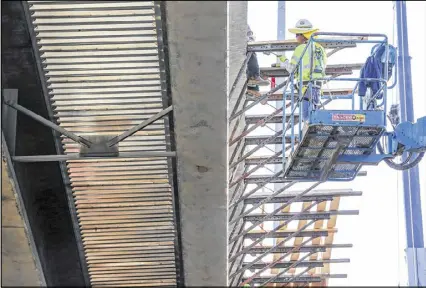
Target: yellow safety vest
column 320, row 62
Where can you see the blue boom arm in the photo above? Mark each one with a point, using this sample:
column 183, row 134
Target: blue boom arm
column 407, row 137
column 412, row 137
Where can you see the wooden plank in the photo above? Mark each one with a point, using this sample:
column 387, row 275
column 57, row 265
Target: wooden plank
column 318, row 240
column 318, row 225
column 276, row 256
column 334, row 205
column 298, row 241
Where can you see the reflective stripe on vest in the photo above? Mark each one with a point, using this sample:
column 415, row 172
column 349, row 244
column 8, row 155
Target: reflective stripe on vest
column 319, row 59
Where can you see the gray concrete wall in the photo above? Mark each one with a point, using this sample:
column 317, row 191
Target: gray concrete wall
column 207, row 46
column 237, row 22
column 197, row 38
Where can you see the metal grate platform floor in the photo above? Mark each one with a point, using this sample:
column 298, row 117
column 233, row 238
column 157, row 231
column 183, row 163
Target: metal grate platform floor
column 320, row 144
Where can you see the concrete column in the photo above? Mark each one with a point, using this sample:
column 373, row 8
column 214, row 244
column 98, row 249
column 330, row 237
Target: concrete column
column 197, row 38
column 237, row 21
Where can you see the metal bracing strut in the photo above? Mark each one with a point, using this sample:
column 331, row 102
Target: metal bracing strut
column 97, row 153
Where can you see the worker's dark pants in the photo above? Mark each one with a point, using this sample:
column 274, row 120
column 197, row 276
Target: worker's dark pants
column 316, row 92
column 253, row 70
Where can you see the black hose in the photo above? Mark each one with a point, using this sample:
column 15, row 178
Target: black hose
column 410, row 154
column 403, row 165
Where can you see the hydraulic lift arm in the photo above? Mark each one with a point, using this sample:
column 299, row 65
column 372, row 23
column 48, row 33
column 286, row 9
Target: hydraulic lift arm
column 410, row 137
column 407, row 137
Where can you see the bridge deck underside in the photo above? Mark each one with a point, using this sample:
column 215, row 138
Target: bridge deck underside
column 102, row 68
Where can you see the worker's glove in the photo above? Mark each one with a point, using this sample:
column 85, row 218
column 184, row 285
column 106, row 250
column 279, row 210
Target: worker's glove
column 282, row 58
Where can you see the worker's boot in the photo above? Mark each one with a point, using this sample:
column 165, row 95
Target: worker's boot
column 251, row 92
column 258, row 81
column 254, row 92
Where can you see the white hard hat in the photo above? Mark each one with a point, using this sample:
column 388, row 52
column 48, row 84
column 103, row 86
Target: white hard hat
column 303, row 26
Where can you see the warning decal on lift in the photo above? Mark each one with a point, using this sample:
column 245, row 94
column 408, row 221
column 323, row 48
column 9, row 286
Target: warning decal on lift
column 348, row 117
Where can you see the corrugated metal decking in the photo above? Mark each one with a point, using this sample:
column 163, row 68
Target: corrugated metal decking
column 102, row 66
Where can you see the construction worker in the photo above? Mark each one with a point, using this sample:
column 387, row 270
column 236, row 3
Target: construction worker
column 304, row 31
column 253, row 71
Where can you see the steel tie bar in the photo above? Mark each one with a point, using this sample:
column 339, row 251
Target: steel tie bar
column 255, row 207
column 234, row 130
column 279, row 259
column 262, row 97
column 258, row 123
column 287, row 269
column 296, row 276
column 240, row 73
column 248, row 154
column 49, row 124
column 246, row 174
column 276, row 210
column 240, row 97
column 275, row 247
column 140, row 126
column 260, row 185
column 237, row 147
column 76, row 156
column 259, row 146
column 265, row 201
column 246, row 249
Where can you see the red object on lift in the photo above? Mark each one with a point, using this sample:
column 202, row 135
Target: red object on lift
column 272, row 82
